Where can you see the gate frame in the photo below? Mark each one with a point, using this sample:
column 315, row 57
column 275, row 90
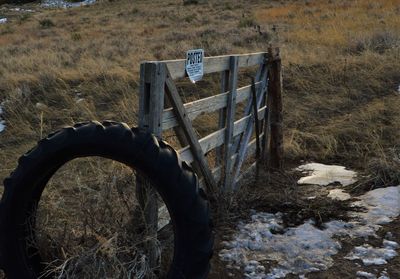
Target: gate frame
column 232, row 140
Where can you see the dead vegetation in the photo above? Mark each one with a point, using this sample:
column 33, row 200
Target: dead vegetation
column 89, row 225
column 341, row 62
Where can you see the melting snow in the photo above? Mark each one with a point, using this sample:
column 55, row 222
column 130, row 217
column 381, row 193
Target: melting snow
column 374, row 256
column 21, row 10
column 3, row 20
column 338, row 194
column 367, row 275
column 2, row 122
column 323, row 175
column 65, row 4
column 383, row 205
column 305, row 248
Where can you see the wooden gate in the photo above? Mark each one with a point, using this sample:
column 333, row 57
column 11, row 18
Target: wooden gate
column 233, row 139
column 258, row 134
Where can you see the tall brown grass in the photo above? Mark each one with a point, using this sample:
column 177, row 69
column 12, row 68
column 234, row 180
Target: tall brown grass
column 341, row 62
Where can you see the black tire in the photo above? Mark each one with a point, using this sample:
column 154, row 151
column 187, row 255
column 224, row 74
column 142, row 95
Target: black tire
column 173, row 179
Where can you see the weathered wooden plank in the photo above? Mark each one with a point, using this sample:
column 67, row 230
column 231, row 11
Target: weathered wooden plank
column 259, row 78
column 222, row 115
column 249, row 128
column 266, row 130
column 230, row 119
column 157, row 99
column 217, row 138
column 186, row 125
column 206, row 105
column 143, row 97
column 256, row 120
column 151, row 107
column 180, row 134
column 215, row 63
column 251, row 149
column 217, row 171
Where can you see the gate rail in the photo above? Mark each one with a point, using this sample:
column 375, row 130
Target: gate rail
column 233, row 138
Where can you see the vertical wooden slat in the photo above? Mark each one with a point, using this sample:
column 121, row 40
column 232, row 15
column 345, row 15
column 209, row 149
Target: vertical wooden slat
column 230, row 118
column 266, row 129
column 222, row 114
column 247, row 109
column 143, row 97
column 256, row 121
column 249, row 128
column 276, row 118
column 157, row 86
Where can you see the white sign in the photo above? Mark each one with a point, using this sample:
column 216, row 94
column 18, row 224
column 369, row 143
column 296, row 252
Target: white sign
column 194, row 64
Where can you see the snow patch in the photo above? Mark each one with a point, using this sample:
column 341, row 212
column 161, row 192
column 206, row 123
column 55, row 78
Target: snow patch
column 303, row 249
column 383, row 204
column 65, row 4
column 3, row 20
column 367, row 275
column 384, row 275
column 338, row 194
column 2, row 122
column 298, row 250
column 374, row 256
column 323, row 175
column 21, row 10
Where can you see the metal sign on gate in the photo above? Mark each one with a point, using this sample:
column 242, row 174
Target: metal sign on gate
column 194, row 64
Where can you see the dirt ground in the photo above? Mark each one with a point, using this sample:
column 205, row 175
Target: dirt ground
column 295, row 203
column 344, row 268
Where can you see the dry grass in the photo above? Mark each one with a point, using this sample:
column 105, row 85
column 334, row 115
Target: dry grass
column 341, row 71
column 89, row 224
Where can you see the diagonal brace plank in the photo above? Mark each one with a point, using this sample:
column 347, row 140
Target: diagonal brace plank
column 189, row 132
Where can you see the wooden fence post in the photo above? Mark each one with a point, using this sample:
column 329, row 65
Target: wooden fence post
column 151, row 106
column 275, row 110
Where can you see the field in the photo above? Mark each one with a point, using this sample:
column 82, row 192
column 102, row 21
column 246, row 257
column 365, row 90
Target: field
column 341, row 79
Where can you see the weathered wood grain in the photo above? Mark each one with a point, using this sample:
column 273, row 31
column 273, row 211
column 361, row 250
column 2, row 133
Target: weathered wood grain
column 151, row 107
column 187, row 127
column 217, row 171
column 222, row 115
column 217, row 138
column 206, row 105
column 230, row 119
column 215, row 63
column 249, row 127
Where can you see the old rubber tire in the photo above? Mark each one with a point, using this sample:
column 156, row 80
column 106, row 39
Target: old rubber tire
column 173, row 179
